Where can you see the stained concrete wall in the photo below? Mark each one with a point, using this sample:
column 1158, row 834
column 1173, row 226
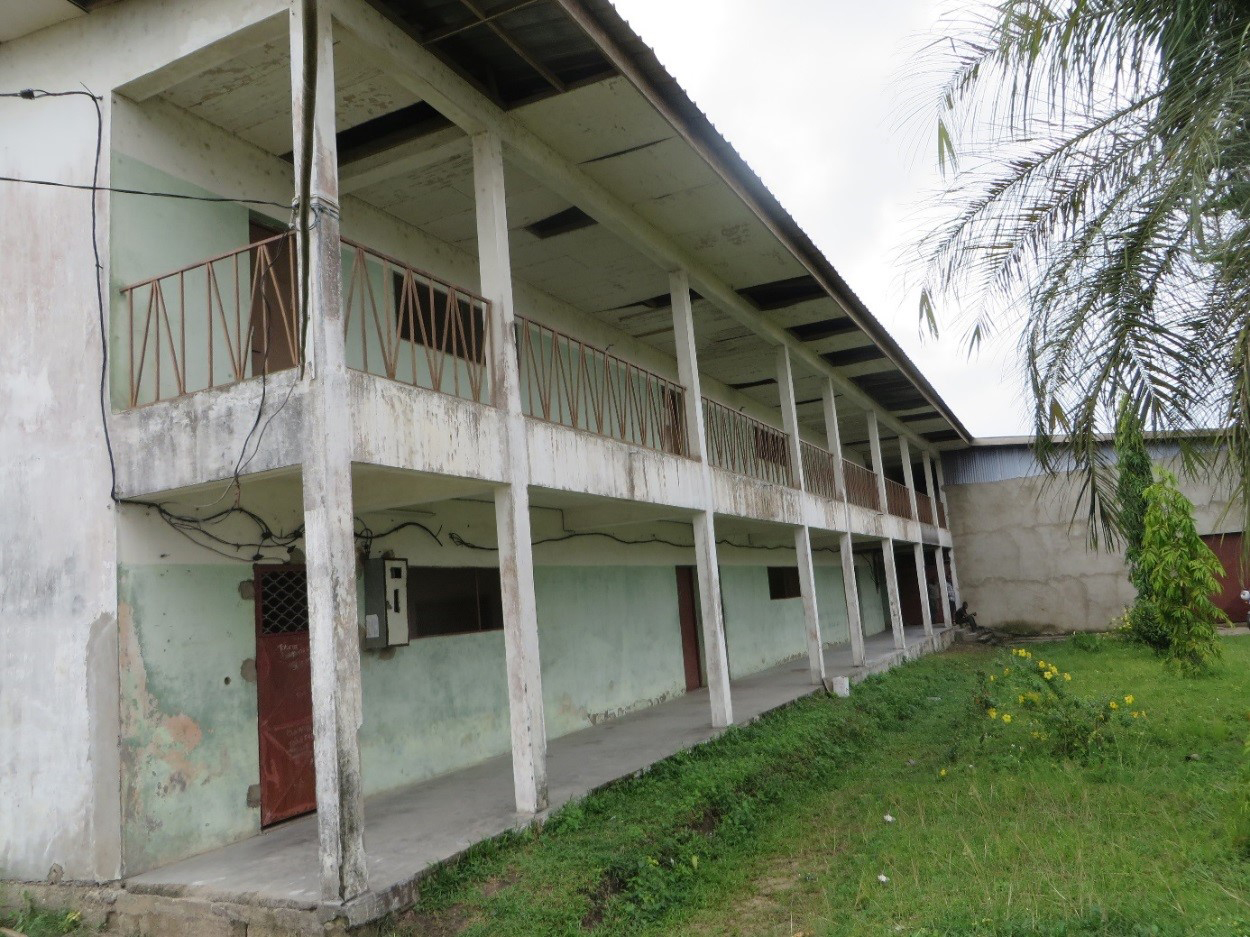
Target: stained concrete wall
column 1022, row 560
column 609, row 637
column 58, row 655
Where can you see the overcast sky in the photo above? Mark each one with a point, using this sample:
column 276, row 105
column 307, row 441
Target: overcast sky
column 821, row 97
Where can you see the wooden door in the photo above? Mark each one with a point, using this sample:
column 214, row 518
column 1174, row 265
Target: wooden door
column 689, row 627
column 288, row 782
column 1227, row 547
column 275, row 332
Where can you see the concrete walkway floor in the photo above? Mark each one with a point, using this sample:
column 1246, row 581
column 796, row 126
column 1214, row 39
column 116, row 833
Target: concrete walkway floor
column 412, row 829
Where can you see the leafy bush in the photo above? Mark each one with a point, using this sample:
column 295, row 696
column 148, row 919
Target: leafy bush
column 1089, row 641
column 1031, row 701
column 1145, row 627
column 1181, row 574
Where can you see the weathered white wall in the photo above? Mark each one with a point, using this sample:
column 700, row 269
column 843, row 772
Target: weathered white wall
column 58, row 669
column 1021, row 558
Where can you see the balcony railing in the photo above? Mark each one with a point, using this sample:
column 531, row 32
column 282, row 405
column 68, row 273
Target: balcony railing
column 234, row 316
column 213, row 323
column 566, row 381
column 941, row 514
column 738, row 443
column 861, row 485
column 411, row 326
column 897, row 500
column 924, row 508
column 819, row 471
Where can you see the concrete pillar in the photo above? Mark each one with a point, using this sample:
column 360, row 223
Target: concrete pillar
column 833, row 435
column 931, row 487
column 512, row 515
column 854, row 622
column 878, row 468
column 926, row 613
column 802, row 535
column 329, row 537
column 940, row 490
column 891, row 587
column 715, row 658
column 909, row 478
column 950, row 558
column 939, row 558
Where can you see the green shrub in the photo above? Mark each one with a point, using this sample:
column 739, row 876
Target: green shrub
column 1089, row 641
column 1031, row 701
column 1144, row 627
column 1181, row 574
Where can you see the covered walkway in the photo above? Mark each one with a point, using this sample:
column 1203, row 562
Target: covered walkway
column 410, row 830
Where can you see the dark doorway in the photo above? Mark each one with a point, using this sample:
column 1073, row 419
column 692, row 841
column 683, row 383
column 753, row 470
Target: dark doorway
column 686, row 610
column 908, row 587
column 288, row 781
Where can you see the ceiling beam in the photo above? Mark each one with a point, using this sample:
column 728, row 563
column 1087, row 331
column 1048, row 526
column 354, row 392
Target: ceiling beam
column 412, row 157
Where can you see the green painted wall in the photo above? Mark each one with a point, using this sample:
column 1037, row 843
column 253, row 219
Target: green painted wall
column 153, row 236
column 610, row 641
column 188, row 715
column 759, row 631
column 873, row 600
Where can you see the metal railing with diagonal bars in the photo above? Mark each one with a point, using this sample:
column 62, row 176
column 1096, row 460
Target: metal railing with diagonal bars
column 897, row 500
column 738, row 443
column 411, row 326
column 820, row 474
column 568, row 382
column 861, row 485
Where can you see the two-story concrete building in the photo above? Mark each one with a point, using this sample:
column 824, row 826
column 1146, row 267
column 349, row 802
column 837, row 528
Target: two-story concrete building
column 430, row 418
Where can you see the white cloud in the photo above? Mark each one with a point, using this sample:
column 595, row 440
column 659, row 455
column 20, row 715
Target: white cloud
column 817, row 97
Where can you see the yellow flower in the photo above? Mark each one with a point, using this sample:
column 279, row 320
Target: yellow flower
column 1136, row 714
column 1113, row 705
column 992, row 713
column 1006, row 717
column 942, row 773
column 991, row 678
column 1129, row 699
column 1049, row 675
column 1041, row 664
column 1020, row 698
column 1067, row 676
column 1006, row 671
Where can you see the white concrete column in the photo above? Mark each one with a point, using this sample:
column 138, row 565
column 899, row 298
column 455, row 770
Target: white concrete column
column 833, row 435
column 878, row 468
column 790, row 415
column 940, row 490
column 712, row 614
column 329, row 537
column 926, row 613
column 854, row 621
column 909, row 478
column 891, row 588
column 939, row 558
column 512, row 515
column 931, row 487
column 802, row 535
column 950, row 558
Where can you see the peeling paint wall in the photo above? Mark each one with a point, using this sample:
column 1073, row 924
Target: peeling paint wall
column 759, row 631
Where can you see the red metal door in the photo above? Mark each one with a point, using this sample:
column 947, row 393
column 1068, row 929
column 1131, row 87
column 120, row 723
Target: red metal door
column 1228, row 548
column 288, row 782
column 689, row 627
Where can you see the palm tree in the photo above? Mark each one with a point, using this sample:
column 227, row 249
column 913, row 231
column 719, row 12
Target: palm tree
column 1098, row 158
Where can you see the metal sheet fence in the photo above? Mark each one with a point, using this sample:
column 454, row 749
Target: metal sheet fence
column 738, row 443
column 566, row 381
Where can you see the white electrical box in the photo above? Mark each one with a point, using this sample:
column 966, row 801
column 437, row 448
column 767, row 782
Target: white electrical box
column 386, row 603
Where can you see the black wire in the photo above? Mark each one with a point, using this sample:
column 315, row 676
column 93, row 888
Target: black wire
column 147, row 192
column 467, row 544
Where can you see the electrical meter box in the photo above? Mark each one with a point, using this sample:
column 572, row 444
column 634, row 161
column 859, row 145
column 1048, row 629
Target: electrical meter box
column 386, row 603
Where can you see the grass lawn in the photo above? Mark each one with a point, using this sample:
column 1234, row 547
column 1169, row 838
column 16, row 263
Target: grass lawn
column 779, row 828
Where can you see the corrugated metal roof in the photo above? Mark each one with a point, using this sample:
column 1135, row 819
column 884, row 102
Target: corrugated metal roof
column 995, row 463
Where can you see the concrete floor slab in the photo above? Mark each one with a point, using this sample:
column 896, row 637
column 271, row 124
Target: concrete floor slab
column 410, row 830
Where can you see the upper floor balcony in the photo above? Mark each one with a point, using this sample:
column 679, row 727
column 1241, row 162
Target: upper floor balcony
column 235, row 317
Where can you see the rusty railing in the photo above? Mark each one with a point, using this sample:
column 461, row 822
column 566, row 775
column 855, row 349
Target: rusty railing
column 411, row 326
column 819, row 470
column 861, row 485
column 213, row 323
column 566, row 381
column 738, row 443
column 924, row 508
column 898, row 502
column 941, row 514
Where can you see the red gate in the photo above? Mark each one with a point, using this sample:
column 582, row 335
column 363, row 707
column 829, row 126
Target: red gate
column 288, row 785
